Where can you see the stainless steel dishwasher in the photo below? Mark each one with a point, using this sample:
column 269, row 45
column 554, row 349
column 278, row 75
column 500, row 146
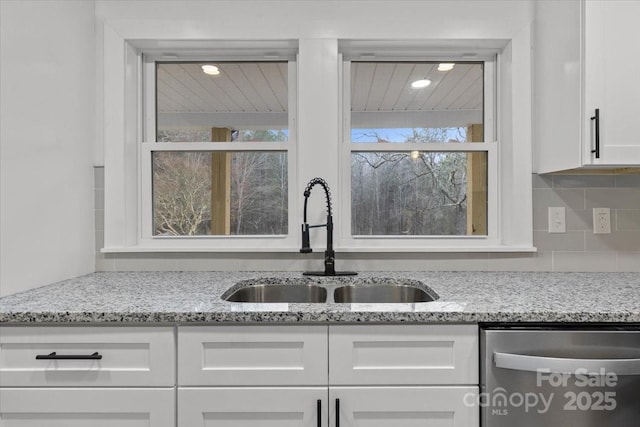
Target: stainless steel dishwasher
column 559, row 377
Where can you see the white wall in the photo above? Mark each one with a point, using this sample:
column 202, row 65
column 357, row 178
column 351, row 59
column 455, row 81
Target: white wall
column 46, row 142
column 281, row 19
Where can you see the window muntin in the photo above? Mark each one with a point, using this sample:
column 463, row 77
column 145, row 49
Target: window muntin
column 414, row 172
column 216, row 161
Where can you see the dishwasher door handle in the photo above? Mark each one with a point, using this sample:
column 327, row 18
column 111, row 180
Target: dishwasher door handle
column 560, row 365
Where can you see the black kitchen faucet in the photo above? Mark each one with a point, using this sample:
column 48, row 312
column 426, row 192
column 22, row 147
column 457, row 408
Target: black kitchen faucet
column 329, row 254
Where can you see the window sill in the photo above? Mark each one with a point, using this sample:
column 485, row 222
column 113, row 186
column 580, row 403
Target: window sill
column 292, row 250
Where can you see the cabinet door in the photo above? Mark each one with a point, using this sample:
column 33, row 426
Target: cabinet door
column 247, row 407
column 612, row 80
column 557, row 124
column 78, row 407
column 403, row 406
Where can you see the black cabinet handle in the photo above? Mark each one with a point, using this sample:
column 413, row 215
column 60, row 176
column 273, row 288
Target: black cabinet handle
column 54, row 356
column 597, row 120
column 337, row 412
column 319, row 407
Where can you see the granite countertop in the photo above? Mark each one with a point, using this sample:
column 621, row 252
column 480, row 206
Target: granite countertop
column 194, row 297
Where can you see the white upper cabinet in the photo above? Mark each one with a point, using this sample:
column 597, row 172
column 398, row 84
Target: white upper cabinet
column 587, row 64
column 612, row 80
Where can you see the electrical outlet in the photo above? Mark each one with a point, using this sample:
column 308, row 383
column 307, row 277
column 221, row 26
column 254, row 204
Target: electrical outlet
column 601, row 221
column 557, row 220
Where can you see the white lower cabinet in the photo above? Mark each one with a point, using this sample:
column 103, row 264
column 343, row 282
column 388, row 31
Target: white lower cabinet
column 87, row 376
column 252, row 406
column 87, row 356
column 337, row 376
column 84, row 407
column 451, row 406
column 239, row 376
column 403, row 354
column 252, row 355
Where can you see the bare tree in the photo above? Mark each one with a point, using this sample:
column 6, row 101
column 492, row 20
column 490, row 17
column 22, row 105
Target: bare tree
column 394, row 193
column 259, row 193
column 181, row 191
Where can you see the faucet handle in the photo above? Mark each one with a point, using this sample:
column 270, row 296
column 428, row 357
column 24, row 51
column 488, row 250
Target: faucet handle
column 306, row 245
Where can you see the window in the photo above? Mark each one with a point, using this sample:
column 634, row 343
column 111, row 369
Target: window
column 216, row 148
column 180, row 153
column 419, row 148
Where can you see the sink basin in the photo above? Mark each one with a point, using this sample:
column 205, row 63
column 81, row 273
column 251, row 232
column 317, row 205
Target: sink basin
column 275, row 293
column 381, row 294
column 330, row 290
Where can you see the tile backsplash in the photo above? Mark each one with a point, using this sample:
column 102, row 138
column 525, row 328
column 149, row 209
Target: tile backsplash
column 579, row 249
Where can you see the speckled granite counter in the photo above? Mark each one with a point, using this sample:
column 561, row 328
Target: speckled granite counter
column 468, row 297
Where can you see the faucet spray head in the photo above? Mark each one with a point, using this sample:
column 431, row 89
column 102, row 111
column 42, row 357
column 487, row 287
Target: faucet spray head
column 306, row 244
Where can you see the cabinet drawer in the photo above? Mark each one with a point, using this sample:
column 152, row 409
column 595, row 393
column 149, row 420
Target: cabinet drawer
column 403, row 354
column 82, row 407
column 252, row 355
column 126, row 356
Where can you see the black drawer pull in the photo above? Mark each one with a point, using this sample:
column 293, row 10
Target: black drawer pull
column 319, row 409
column 54, row 356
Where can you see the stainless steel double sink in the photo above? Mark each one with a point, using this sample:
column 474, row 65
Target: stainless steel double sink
column 368, row 291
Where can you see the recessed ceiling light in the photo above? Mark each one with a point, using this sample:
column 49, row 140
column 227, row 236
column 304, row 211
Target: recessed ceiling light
column 418, row 84
column 415, row 155
column 446, row 66
column 212, row 70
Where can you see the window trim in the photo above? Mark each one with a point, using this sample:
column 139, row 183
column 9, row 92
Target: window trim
column 509, row 216
column 120, row 129
column 149, row 145
column 128, row 197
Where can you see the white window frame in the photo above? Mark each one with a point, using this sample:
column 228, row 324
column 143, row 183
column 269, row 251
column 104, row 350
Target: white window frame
column 122, row 118
column 148, row 146
column 129, row 138
column 508, row 147
column 490, row 145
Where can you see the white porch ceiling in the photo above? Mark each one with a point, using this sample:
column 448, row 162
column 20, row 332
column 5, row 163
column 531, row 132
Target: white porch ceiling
column 256, row 93
column 240, row 88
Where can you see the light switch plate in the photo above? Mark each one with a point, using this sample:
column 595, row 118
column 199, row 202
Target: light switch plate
column 557, row 220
